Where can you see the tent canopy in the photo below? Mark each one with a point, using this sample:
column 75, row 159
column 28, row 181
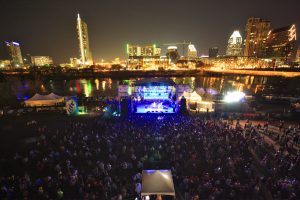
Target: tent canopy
column 194, row 96
column 44, row 100
column 157, row 182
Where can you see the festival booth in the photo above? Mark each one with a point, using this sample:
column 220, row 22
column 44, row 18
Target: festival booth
column 194, row 102
column 39, row 100
column 157, row 182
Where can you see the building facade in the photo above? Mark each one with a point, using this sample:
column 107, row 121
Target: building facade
column 4, row 63
column 15, row 54
column 74, row 62
column 141, row 57
column 240, row 62
column 235, row 42
column 84, row 46
column 41, row 61
column 192, row 51
column 27, row 60
column 298, row 55
column 172, row 54
column 256, row 33
column 213, row 52
column 281, row 43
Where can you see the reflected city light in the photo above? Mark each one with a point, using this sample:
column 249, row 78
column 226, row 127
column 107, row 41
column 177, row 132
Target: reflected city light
column 97, row 84
column 78, row 87
column 103, row 85
column 88, row 88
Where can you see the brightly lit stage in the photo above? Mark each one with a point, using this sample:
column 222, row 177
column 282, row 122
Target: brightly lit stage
column 149, row 96
column 155, row 108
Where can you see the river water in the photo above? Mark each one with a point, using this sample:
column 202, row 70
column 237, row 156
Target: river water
column 19, row 89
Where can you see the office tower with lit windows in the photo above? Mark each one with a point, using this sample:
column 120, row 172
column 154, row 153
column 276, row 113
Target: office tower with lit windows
column 41, row 61
column 172, row 54
column 84, row 47
column 27, row 60
column 298, row 55
column 213, row 52
column 143, row 56
column 148, row 50
column 235, row 42
column 15, row 54
column 192, row 51
column 256, row 33
column 281, row 43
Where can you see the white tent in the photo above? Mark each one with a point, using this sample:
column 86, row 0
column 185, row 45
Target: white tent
column 157, row 182
column 185, row 95
column 44, row 100
column 195, row 97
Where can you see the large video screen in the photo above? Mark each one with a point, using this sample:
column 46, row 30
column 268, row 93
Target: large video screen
column 155, row 92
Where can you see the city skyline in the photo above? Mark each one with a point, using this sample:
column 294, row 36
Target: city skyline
column 111, row 27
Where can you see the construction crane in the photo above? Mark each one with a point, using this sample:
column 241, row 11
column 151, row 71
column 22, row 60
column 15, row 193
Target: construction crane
column 179, row 43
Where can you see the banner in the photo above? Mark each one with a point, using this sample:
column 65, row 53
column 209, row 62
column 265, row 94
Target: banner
column 72, row 106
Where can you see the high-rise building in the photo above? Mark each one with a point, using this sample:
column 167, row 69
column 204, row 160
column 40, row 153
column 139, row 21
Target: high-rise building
column 148, row 50
column 281, row 43
column 15, row 54
column 143, row 56
column 192, row 51
column 4, row 63
column 256, row 33
column 84, row 47
column 74, row 62
column 213, row 52
column 41, row 61
column 234, row 47
column 172, row 54
column 298, row 55
column 27, row 60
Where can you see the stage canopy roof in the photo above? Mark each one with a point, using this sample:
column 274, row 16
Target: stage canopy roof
column 157, row 182
column 155, row 82
column 44, row 100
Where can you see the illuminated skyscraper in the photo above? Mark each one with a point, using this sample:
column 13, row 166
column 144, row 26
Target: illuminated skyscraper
column 281, row 43
column 298, row 55
column 41, row 61
column 192, row 51
column 141, row 56
column 234, row 47
column 172, row 54
column 148, row 50
column 15, row 54
column 256, row 33
column 84, row 47
column 213, row 52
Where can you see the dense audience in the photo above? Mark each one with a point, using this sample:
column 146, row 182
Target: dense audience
column 95, row 158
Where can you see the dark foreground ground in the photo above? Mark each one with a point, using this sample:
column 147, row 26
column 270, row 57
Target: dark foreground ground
column 52, row 156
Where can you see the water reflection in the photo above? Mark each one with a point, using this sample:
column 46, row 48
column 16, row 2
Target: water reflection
column 97, row 84
column 103, row 85
column 16, row 88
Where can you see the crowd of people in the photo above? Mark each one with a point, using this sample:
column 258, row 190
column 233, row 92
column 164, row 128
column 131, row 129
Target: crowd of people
column 96, row 158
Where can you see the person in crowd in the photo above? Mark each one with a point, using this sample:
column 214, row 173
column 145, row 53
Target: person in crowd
column 104, row 158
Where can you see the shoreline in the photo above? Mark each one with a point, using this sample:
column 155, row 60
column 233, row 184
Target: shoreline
column 153, row 73
column 288, row 74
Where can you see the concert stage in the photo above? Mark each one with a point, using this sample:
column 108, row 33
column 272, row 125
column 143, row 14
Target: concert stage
column 149, row 96
column 154, row 107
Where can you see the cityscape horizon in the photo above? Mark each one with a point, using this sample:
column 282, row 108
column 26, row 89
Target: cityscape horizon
column 220, row 40
column 150, row 100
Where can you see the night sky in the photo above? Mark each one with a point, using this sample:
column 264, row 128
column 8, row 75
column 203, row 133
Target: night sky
column 48, row 27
